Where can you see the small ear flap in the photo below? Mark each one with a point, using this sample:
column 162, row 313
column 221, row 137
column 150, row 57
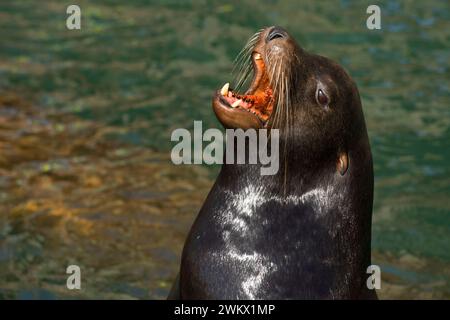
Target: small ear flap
column 342, row 163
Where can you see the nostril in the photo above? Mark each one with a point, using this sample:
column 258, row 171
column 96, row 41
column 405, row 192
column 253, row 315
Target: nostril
column 276, row 33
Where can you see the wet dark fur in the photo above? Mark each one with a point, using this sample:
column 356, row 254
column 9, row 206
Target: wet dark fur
column 312, row 249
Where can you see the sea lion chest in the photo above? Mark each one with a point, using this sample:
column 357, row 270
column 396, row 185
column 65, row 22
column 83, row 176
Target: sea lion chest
column 249, row 243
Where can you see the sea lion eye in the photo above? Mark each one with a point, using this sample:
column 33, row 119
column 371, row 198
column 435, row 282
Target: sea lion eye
column 322, row 98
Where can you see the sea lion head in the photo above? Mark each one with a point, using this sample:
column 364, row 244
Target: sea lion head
column 309, row 98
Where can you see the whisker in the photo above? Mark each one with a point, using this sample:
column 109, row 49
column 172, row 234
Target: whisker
column 242, row 63
column 244, row 76
column 278, row 91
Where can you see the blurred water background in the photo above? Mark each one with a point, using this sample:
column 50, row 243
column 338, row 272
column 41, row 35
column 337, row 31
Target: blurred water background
column 86, row 117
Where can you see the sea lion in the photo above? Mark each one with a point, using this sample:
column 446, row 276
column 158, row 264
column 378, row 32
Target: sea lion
column 305, row 232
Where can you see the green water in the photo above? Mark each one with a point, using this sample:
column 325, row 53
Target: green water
column 84, row 171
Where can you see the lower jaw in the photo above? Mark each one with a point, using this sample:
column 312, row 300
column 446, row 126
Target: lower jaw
column 235, row 118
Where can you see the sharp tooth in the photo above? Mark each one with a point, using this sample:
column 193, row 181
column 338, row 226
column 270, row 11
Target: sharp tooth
column 236, row 103
column 257, row 56
column 224, row 90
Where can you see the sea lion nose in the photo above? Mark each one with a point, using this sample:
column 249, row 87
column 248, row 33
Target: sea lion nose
column 276, row 32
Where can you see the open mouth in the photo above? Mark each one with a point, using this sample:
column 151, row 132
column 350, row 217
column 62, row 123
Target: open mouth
column 253, row 108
